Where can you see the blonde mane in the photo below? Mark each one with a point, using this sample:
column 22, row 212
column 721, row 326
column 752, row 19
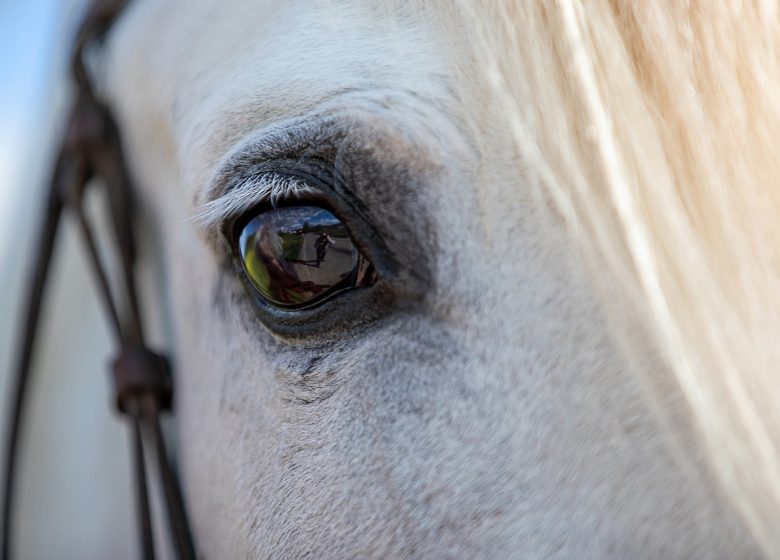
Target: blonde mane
column 652, row 126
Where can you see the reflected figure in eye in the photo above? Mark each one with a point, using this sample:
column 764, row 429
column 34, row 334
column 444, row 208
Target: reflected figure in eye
column 295, row 255
column 321, row 245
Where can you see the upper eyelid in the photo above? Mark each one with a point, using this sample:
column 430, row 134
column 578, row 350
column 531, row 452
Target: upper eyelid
column 248, row 178
column 244, row 180
column 234, row 186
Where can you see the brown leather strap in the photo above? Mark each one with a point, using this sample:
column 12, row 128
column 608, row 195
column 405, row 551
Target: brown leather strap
column 43, row 258
column 91, row 156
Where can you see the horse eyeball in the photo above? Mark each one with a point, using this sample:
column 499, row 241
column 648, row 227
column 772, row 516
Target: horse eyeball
column 298, row 256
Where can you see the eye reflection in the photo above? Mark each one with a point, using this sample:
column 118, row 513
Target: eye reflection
column 296, row 256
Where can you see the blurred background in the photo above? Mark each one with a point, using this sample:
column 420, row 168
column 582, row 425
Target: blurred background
column 73, row 498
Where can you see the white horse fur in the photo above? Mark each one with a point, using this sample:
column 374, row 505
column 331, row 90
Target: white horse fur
column 499, row 410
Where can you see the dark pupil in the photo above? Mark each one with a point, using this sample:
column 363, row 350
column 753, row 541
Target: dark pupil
column 297, row 255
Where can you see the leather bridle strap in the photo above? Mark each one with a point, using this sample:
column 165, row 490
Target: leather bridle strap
column 91, row 157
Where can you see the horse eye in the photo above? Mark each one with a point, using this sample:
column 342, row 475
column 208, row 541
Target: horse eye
column 298, row 256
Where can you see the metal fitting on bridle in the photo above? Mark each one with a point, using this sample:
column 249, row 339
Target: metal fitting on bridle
column 92, row 155
column 141, row 374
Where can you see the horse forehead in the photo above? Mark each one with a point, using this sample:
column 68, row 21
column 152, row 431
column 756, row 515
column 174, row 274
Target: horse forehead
column 216, row 71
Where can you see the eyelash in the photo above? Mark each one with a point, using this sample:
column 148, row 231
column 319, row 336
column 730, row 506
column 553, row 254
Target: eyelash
column 267, row 189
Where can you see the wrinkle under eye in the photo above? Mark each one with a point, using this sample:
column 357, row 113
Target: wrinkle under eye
column 298, row 256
